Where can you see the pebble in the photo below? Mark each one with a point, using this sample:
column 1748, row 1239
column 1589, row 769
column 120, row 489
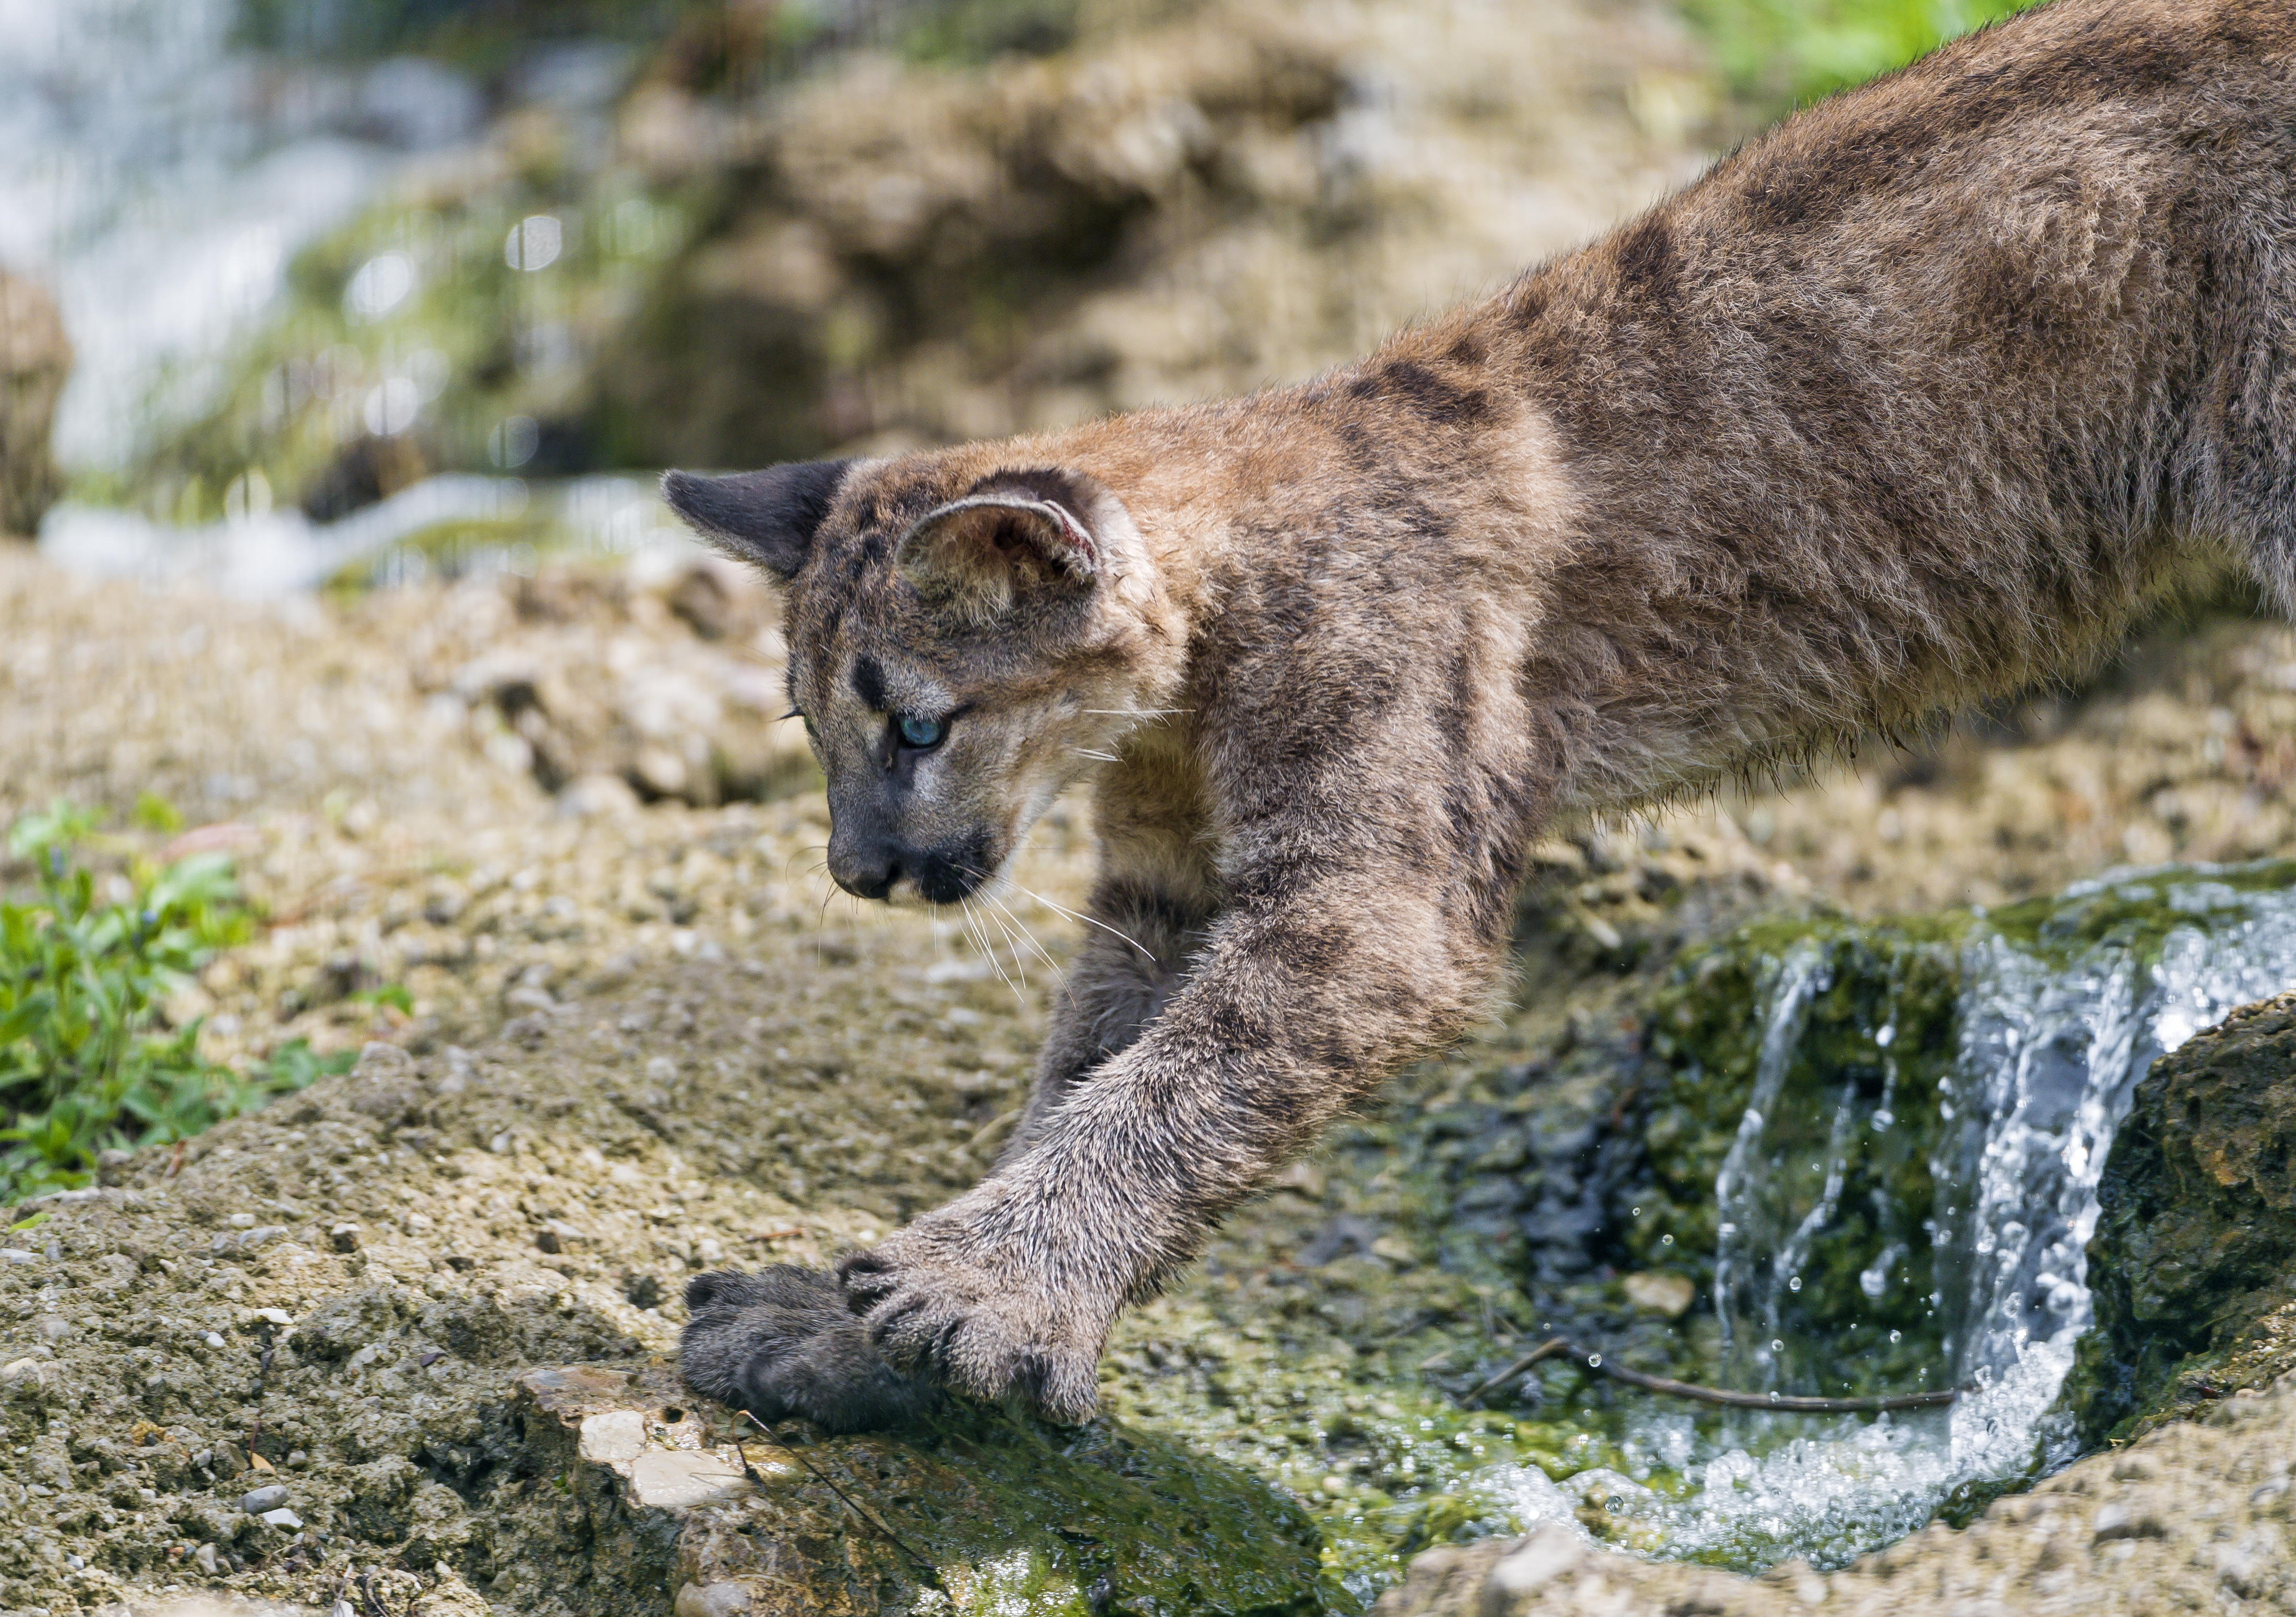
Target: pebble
column 283, row 1517
column 269, row 1497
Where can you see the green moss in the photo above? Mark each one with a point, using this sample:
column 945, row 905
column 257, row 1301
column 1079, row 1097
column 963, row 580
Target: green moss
column 1107, row 1519
column 2135, row 912
column 1857, row 1104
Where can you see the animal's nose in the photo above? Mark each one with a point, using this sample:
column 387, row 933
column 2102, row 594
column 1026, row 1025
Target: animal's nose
column 866, row 873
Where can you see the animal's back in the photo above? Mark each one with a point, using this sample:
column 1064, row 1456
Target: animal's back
column 1920, row 397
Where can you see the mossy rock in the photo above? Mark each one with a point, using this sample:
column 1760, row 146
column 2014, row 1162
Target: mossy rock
column 2194, row 1263
column 618, row 1477
column 1856, row 1099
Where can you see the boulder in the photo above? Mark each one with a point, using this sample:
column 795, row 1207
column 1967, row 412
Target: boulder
column 34, row 357
column 2194, row 1262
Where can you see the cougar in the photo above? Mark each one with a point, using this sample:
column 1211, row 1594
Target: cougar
column 1921, row 396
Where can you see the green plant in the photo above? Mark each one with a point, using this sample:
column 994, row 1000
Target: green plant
column 1777, row 54
column 84, row 1062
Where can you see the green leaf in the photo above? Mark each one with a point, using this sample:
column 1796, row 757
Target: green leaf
column 156, row 813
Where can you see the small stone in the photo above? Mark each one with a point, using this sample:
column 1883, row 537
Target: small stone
column 1545, row 1555
column 282, row 1517
column 378, row 1061
column 712, row 1600
column 1669, row 1295
column 662, row 1480
column 270, row 1496
column 344, row 1237
column 206, row 1557
column 213, row 1340
column 615, row 1436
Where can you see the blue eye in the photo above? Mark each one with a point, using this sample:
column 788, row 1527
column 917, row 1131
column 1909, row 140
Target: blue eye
column 919, row 732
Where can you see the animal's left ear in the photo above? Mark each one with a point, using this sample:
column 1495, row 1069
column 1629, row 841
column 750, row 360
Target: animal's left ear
column 1010, row 537
column 768, row 517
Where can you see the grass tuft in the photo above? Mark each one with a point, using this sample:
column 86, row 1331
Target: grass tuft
column 87, row 1062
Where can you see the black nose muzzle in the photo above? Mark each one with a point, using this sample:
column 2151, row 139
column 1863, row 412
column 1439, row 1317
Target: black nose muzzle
column 864, row 878
column 943, row 875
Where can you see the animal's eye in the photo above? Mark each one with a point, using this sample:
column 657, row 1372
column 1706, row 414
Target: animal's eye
column 919, row 732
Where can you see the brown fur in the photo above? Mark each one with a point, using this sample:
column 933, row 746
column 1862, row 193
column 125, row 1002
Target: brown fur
column 1922, row 397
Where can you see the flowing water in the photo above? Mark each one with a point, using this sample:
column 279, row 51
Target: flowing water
column 158, row 178
column 2062, row 1007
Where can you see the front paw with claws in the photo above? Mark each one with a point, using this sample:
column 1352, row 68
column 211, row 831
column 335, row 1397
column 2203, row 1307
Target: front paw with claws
column 781, row 1343
column 936, row 1311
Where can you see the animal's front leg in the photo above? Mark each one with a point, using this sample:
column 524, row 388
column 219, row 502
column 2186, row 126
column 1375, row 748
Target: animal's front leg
column 1140, row 934
column 1298, row 1007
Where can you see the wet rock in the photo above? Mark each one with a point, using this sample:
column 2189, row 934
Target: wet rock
column 2195, row 1291
column 35, row 358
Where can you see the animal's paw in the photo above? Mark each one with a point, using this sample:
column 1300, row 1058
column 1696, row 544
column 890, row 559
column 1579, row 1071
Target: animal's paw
column 781, row 1343
column 988, row 1333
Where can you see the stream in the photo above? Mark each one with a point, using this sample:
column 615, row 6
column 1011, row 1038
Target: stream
column 1995, row 1103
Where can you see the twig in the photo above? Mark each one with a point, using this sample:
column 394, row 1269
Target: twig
column 797, row 1454
column 1415, row 1320
column 1787, row 1402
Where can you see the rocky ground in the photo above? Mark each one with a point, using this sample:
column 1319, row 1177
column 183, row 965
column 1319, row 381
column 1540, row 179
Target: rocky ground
column 643, row 1039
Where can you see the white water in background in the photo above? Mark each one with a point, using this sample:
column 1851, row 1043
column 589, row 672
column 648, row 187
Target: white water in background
column 2050, row 1056
column 158, row 179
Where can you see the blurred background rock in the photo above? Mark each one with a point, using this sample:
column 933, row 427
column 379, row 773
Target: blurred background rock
column 316, row 252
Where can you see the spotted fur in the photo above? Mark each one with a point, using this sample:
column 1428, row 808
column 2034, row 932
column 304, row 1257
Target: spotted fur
column 1922, row 397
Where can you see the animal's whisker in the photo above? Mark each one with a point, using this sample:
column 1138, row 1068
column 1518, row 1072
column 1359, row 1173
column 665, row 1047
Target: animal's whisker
column 981, row 940
column 1064, row 910
column 1026, row 936
column 989, row 910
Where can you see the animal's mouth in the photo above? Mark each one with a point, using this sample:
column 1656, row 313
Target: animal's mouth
column 907, row 880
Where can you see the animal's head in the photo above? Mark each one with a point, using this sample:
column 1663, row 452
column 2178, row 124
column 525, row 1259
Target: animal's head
column 963, row 636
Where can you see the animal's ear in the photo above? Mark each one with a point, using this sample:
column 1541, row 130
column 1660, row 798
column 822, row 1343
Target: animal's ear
column 768, row 517
column 1008, row 539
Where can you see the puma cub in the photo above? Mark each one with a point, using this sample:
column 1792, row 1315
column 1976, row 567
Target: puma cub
column 1922, row 396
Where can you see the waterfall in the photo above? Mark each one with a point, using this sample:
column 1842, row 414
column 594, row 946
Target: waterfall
column 2059, row 1018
